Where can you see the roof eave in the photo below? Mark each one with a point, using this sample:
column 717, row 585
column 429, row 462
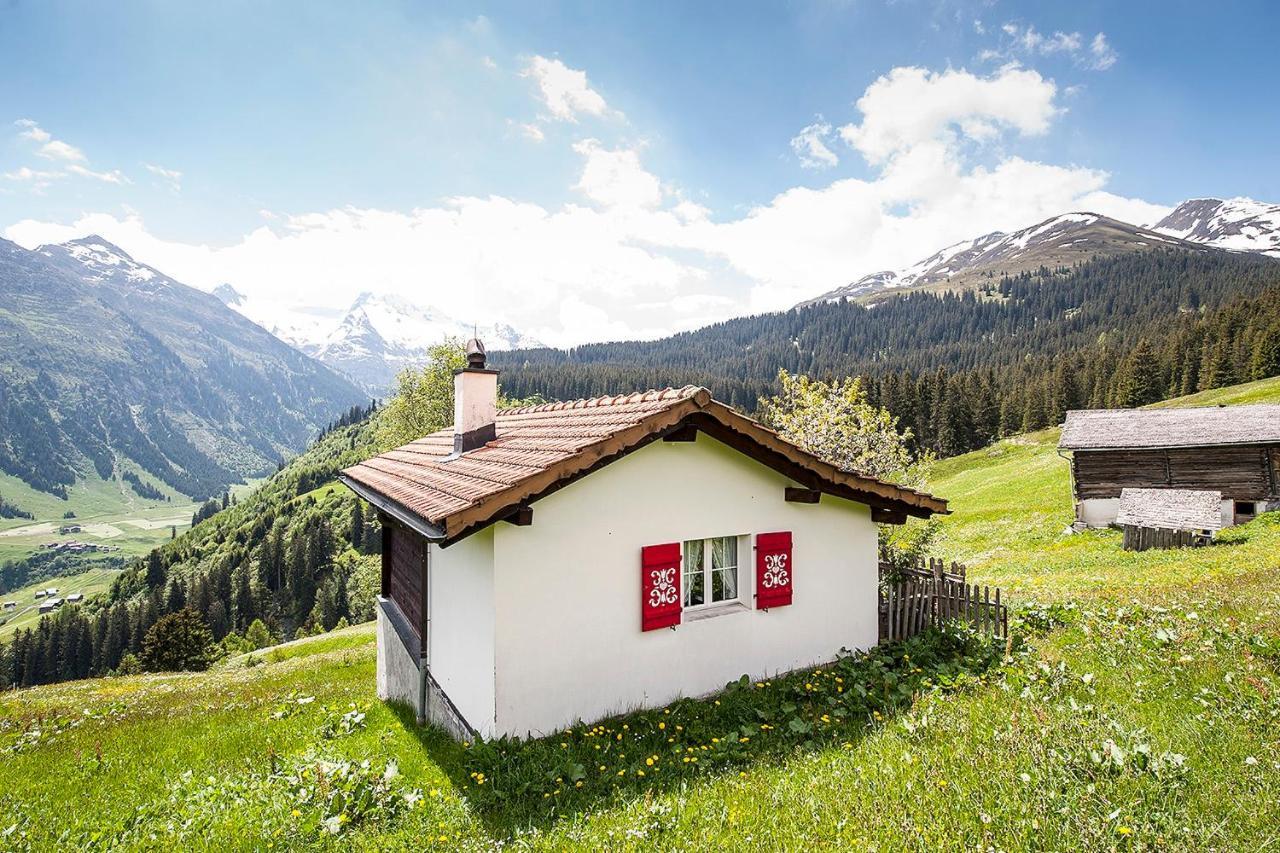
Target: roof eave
column 400, row 513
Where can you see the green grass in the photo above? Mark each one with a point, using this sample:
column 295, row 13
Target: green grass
column 1139, row 711
column 1262, row 391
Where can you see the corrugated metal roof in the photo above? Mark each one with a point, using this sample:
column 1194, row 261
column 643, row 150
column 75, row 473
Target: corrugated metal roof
column 1171, row 509
column 538, row 447
column 1119, row 429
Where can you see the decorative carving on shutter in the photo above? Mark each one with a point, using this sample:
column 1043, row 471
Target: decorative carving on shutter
column 660, row 603
column 773, row 569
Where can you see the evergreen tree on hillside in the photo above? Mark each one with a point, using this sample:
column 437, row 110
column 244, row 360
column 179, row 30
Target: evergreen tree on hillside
column 178, row 641
column 1139, row 381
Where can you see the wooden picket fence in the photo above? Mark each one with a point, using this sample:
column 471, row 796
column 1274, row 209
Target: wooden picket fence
column 934, row 594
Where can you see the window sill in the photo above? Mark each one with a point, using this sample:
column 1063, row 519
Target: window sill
column 722, row 609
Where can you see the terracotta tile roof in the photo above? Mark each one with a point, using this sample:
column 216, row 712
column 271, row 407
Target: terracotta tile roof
column 1171, row 509
column 1125, row 429
column 539, row 448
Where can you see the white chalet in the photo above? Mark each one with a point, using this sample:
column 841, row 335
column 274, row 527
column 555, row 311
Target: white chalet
column 676, row 545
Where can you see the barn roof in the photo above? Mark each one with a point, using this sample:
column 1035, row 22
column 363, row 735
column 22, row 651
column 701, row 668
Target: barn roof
column 1171, row 509
column 540, row 448
column 1125, row 429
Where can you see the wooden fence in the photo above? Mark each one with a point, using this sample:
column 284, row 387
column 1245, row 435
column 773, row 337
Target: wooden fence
column 932, row 594
column 1141, row 538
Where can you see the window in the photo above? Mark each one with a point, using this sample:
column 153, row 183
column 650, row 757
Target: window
column 710, row 571
column 1245, row 508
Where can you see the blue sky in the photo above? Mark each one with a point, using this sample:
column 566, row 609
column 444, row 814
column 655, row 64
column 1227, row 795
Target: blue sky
column 625, row 170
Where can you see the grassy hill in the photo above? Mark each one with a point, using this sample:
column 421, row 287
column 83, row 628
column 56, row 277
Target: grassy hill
column 1011, row 505
column 1140, row 711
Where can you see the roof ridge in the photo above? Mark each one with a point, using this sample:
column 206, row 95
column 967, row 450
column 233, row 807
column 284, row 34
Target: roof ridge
column 650, row 395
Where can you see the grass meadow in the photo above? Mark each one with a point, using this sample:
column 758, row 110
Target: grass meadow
column 1137, row 709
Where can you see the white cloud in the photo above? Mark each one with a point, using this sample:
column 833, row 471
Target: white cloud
column 913, row 105
column 810, row 146
column 25, row 173
column 171, row 177
column 1027, row 41
column 615, row 178
column 31, row 130
column 115, row 176
column 71, row 158
column 565, row 91
column 532, row 131
column 637, row 257
column 1103, row 55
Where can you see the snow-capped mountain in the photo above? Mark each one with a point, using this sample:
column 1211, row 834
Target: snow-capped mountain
column 1058, row 241
column 1238, row 224
column 95, row 261
column 229, row 295
column 375, row 338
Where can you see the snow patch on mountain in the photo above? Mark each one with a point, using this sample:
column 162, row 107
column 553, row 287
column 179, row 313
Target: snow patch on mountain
column 1055, row 240
column 376, row 337
column 1237, row 224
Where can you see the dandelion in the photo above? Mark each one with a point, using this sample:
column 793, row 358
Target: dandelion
column 662, row 725
column 649, row 762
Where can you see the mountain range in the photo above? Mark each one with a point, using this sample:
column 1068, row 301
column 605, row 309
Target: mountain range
column 1071, row 238
column 377, row 336
column 108, row 365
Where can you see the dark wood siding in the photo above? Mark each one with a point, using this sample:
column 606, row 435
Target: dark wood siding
column 1275, row 472
column 407, row 562
column 1240, row 473
column 1103, row 473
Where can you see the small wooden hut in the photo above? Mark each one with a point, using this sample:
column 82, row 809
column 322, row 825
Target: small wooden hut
column 1168, row 518
column 1233, row 450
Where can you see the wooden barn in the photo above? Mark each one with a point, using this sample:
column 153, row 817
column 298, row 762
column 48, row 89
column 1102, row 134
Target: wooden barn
column 1234, row 451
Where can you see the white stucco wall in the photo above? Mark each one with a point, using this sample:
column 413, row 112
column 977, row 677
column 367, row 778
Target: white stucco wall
column 460, row 636
column 568, row 643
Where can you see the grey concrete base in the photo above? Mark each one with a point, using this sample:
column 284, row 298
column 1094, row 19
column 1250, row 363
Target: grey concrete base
column 404, row 677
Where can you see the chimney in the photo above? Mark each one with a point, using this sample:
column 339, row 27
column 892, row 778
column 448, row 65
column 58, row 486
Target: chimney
column 475, row 402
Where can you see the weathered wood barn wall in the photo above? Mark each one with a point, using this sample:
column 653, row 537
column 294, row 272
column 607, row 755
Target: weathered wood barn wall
column 1233, row 450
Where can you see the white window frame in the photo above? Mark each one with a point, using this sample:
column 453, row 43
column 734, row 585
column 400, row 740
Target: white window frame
column 743, row 540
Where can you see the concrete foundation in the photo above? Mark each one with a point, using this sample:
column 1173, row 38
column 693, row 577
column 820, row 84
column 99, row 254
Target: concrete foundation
column 403, row 675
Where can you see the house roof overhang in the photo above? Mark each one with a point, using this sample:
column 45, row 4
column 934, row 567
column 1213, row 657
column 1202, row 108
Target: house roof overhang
column 390, row 485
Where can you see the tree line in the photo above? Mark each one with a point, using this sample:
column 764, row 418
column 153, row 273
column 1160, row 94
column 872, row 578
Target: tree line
column 962, row 369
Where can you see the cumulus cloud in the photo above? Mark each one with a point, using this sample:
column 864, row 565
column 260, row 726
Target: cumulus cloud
column 810, row 146
column 633, row 255
column 565, row 91
column 171, row 177
column 615, row 178
column 909, row 106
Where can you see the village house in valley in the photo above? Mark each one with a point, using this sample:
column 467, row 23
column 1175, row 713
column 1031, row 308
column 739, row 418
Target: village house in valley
column 1231, row 451
column 572, row 560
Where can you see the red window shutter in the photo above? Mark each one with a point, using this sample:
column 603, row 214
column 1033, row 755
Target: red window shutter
column 773, row 569
column 659, row 586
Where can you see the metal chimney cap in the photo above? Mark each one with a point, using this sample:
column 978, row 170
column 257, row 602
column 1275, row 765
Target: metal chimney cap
column 475, row 354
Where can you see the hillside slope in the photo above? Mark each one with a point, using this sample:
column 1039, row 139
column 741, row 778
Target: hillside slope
column 294, row 553
column 1145, row 719
column 108, row 363
column 1011, row 504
